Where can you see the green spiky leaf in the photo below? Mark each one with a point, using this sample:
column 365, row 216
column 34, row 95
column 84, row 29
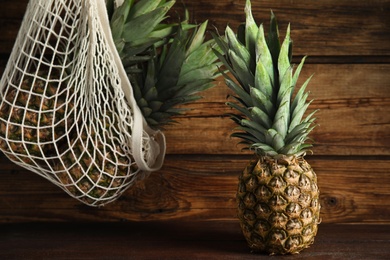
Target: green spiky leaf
column 264, row 57
column 271, row 121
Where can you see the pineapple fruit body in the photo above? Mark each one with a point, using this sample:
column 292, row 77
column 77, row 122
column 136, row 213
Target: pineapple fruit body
column 33, row 121
column 278, row 204
column 38, row 130
column 94, row 172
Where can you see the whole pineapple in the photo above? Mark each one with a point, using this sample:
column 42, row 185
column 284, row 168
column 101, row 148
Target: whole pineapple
column 278, row 197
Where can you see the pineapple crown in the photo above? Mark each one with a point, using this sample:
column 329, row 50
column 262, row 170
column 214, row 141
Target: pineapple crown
column 167, row 64
column 174, row 76
column 271, row 119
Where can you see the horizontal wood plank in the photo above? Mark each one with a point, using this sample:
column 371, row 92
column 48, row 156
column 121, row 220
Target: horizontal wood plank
column 178, row 240
column 199, row 187
column 353, row 117
column 318, row 27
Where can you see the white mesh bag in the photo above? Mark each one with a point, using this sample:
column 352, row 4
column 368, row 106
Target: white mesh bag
column 67, row 110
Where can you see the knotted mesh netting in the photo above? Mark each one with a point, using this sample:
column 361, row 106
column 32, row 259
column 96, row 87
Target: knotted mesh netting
column 67, row 110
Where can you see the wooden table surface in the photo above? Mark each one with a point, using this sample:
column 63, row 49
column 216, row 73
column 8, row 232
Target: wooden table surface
column 177, row 240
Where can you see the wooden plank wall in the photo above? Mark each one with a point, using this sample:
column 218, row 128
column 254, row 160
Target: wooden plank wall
column 348, row 44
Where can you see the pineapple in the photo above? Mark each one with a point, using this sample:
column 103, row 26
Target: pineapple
column 167, row 64
column 33, row 117
column 278, row 196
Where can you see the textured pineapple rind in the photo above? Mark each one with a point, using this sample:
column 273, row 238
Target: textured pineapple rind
column 278, row 205
column 28, row 139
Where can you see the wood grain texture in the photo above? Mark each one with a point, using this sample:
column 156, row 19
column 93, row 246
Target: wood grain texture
column 349, row 54
column 327, row 27
column 179, row 240
column 319, row 27
column 200, row 187
column 353, row 117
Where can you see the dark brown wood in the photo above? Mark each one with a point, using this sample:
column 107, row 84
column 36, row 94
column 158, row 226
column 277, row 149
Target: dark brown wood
column 200, row 187
column 319, row 27
column 353, row 117
column 178, row 240
column 349, row 54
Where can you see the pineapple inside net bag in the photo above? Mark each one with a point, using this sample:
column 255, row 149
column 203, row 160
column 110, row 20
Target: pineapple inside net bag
column 67, row 110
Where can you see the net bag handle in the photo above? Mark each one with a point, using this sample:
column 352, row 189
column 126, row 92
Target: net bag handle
column 157, row 140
